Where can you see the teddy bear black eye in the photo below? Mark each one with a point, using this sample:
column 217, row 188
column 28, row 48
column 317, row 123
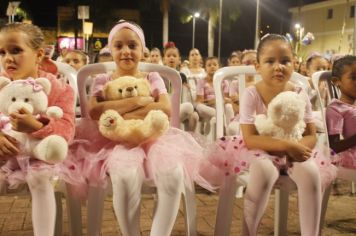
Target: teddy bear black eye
column 13, row 99
column 135, row 87
column 120, row 90
column 27, row 100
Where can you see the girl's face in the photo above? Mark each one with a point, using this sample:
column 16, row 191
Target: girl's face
column 211, row 66
column 235, row 61
column 171, row 58
column 155, row 57
column 347, row 82
column 75, row 60
column 18, row 59
column 275, row 63
column 249, row 59
column 317, row 64
column 126, row 50
column 194, row 57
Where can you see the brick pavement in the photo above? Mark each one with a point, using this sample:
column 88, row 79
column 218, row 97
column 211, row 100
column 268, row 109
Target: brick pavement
column 15, row 216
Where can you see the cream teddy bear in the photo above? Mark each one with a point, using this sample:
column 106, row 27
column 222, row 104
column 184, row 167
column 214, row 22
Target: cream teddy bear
column 31, row 94
column 284, row 118
column 133, row 131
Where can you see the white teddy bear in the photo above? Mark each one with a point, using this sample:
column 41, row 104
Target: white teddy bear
column 31, row 94
column 133, row 131
column 284, row 118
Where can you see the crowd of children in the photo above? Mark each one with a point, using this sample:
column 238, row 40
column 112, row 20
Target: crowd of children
column 178, row 156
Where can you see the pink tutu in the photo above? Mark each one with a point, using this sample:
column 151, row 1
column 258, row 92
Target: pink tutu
column 231, row 156
column 17, row 169
column 347, row 158
column 93, row 154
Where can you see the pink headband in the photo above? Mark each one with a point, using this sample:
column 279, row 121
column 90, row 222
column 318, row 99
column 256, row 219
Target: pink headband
column 126, row 24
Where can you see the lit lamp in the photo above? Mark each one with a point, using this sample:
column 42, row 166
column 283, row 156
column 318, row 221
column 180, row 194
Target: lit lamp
column 196, row 15
column 87, row 30
column 11, row 10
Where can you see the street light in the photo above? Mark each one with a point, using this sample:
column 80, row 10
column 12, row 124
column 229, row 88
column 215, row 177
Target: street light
column 196, row 15
column 220, row 21
column 257, row 30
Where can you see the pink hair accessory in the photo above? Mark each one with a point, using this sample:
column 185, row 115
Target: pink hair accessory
column 125, row 24
column 32, row 82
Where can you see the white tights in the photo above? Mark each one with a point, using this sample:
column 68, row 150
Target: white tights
column 188, row 116
column 263, row 175
column 43, row 204
column 127, row 186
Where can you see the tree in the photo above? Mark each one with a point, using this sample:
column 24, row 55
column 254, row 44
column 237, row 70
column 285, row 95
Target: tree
column 209, row 9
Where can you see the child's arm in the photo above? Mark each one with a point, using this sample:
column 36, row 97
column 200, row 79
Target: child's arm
column 309, row 136
column 338, row 145
column 96, row 108
column 8, row 146
column 162, row 104
column 297, row 151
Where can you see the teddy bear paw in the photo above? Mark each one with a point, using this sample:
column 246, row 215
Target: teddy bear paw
column 109, row 119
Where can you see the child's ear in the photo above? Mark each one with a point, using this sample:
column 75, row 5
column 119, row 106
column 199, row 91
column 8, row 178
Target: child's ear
column 40, row 54
column 335, row 81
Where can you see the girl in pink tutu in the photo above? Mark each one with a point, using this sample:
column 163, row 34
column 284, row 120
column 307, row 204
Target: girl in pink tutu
column 265, row 157
column 341, row 113
column 170, row 161
column 21, row 51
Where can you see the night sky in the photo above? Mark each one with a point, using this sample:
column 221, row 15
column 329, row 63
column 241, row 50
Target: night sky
column 274, row 13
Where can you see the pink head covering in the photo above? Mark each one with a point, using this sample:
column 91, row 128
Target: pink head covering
column 126, row 24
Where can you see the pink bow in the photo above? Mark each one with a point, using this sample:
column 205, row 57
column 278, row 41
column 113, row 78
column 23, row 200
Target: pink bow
column 36, row 86
column 5, row 124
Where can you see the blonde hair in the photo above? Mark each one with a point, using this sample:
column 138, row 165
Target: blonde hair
column 33, row 32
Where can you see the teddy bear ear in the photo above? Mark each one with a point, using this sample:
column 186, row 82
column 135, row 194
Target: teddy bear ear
column 4, row 81
column 45, row 84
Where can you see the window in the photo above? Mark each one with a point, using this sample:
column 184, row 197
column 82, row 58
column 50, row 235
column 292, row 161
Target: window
column 330, row 14
column 352, row 11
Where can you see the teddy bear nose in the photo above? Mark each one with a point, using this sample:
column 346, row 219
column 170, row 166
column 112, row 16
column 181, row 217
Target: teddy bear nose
column 129, row 89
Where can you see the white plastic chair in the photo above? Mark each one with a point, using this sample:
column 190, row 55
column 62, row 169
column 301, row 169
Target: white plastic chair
column 173, row 76
column 227, row 191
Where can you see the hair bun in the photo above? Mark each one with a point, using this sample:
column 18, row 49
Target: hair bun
column 170, row 45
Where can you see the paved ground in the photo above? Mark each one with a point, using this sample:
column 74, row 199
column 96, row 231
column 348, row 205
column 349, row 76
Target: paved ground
column 15, row 216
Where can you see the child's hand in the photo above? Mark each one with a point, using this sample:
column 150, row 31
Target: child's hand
column 8, row 146
column 297, row 152
column 24, row 121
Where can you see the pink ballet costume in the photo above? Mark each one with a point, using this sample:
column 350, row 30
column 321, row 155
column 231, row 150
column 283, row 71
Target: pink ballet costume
column 17, row 169
column 94, row 155
column 341, row 120
column 231, row 155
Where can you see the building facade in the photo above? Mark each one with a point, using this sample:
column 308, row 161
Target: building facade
column 332, row 22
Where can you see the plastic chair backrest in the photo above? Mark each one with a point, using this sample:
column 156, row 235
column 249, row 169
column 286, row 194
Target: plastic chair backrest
column 316, row 77
column 70, row 73
column 164, row 71
column 227, row 73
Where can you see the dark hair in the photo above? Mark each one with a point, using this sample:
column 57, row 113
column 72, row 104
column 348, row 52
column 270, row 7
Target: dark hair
column 212, row 58
column 311, row 58
column 339, row 65
column 33, row 32
column 268, row 38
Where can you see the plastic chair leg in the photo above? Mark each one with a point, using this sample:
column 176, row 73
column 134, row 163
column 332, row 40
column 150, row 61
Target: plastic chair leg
column 74, row 213
column 281, row 212
column 225, row 206
column 190, row 211
column 58, row 230
column 95, row 208
column 324, row 207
